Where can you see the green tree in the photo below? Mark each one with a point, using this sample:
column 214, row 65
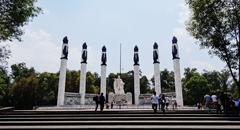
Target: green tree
column 4, row 88
column 234, row 91
column 187, row 95
column 225, row 80
column 72, row 81
column 46, row 90
column 189, row 73
column 216, row 24
column 195, row 89
column 144, row 85
column 167, row 81
column 23, row 88
column 90, row 81
column 128, row 81
column 14, row 15
column 23, row 92
column 217, row 81
column 20, row 70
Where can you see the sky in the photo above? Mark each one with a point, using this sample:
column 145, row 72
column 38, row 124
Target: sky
column 109, row 23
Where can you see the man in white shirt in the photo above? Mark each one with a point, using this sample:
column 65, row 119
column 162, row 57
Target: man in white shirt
column 154, row 100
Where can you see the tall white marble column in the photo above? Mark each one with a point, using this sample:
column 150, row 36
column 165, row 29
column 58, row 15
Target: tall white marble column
column 103, row 71
column 136, row 76
column 177, row 74
column 62, row 75
column 82, row 89
column 157, row 78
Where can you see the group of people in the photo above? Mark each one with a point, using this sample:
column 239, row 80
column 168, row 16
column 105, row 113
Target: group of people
column 161, row 102
column 220, row 102
column 99, row 100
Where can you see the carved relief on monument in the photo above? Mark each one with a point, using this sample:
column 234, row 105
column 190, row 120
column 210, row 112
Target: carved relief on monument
column 65, row 48
column 155, row 53
column 84, row 53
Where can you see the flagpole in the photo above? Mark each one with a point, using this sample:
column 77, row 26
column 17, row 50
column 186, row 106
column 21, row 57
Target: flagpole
column 120, row 58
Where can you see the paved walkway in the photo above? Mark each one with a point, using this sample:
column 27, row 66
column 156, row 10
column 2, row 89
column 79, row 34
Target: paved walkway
column 115, row 108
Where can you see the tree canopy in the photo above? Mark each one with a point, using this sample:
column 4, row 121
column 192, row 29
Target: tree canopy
column 216, row 24
column 14, row 15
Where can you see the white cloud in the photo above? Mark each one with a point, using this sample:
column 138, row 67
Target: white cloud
column 37, row 50
column 186, row 40
column 184, row 14
column 181, row 31
column 41, row 51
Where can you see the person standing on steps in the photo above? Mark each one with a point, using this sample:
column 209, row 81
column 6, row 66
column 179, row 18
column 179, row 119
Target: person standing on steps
column 96, row 99
column 159, row 102
column 163, row 103
column 154, row 100
column 101, row 101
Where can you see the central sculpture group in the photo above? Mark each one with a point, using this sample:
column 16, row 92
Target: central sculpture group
column 119, row 94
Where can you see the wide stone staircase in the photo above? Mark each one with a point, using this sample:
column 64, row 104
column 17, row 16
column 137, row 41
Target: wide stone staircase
column 124, row 119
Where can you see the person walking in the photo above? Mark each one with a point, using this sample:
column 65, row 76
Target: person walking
column 167, row 102
column 163, row 103
column 207, row 100
column 101, row 101
column 159, row 102
column 214, row 101
column 154, row 100
column 96, row 99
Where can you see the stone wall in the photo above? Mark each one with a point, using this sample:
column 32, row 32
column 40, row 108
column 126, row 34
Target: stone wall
column 75, row 98
column 144, row 99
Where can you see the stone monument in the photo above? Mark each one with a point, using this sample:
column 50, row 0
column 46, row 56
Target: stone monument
column 103, row 71
column 177, row 75
column 118, row 86
column 136, row 76
column 62, row 76
column 82, row 89
column 119, row 97
column 156, row 63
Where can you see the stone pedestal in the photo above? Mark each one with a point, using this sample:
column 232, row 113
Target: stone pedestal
column 157, row 77
column 136, row 84
column 61, row 83
column 82, row 89
column 103, row 79
column 178, row 84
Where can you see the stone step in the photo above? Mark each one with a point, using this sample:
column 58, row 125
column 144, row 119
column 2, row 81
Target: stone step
column 59, row 118
column 124, row 122
column 116, row 120
column 106, row 114
column 79, row 113
column 125, row 127
column 117, row 111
